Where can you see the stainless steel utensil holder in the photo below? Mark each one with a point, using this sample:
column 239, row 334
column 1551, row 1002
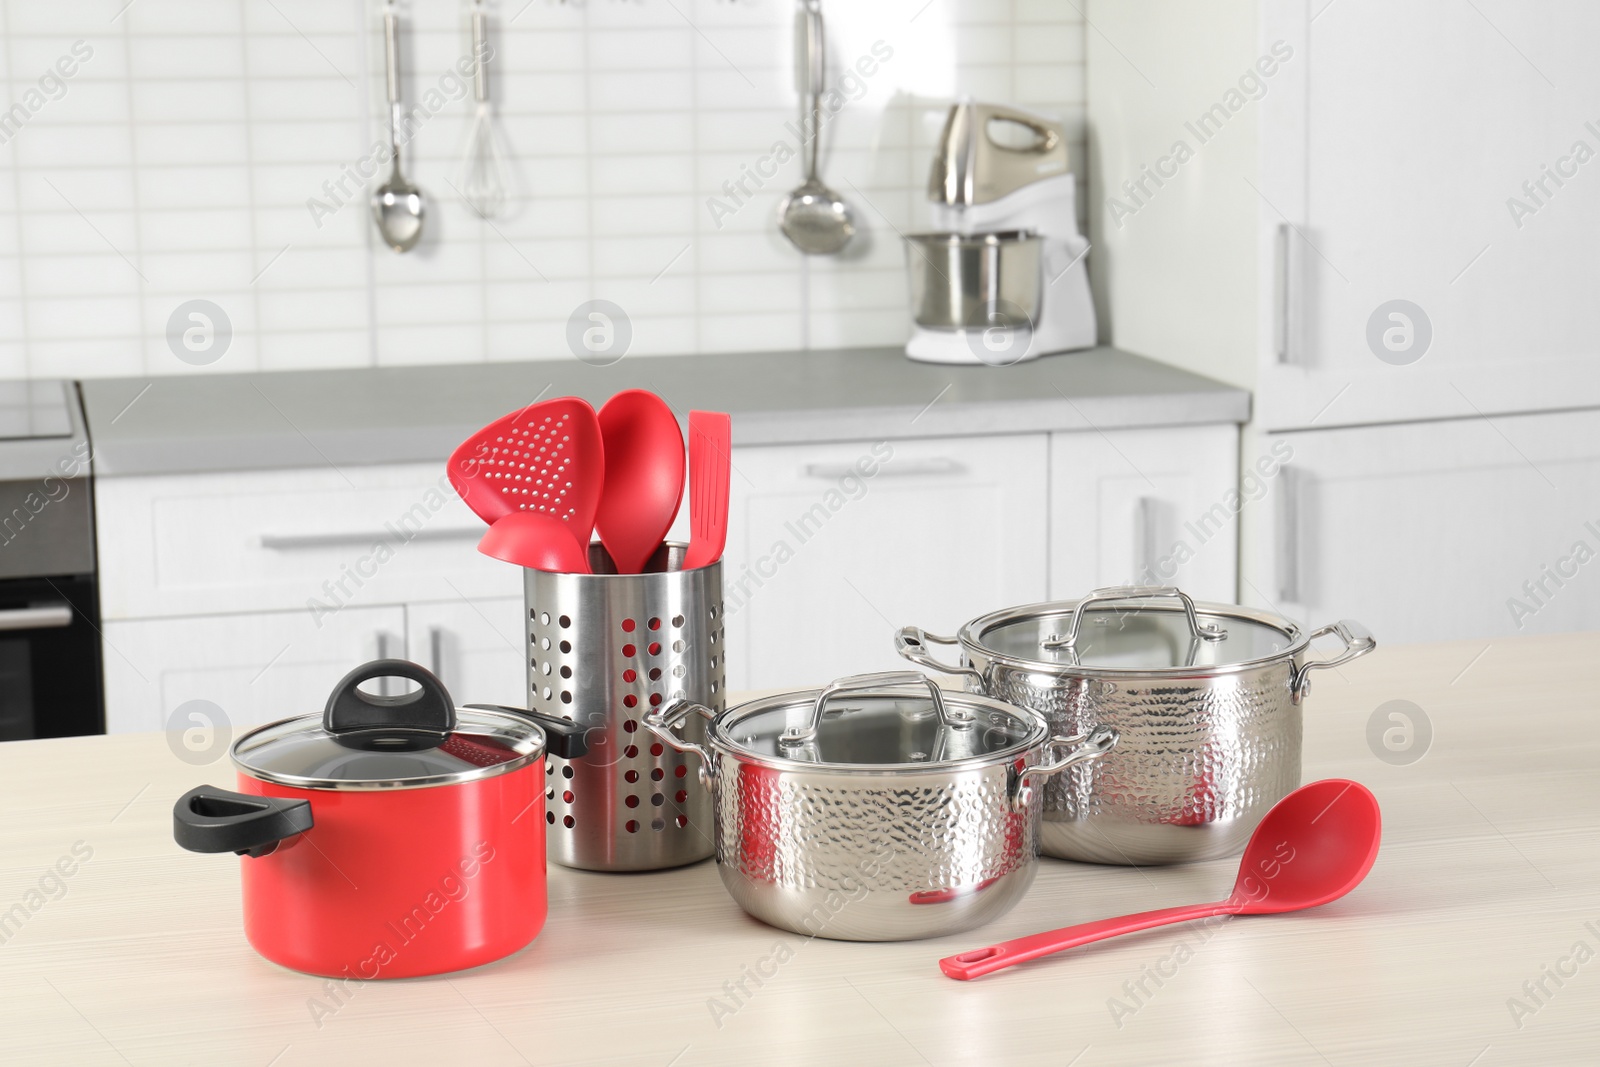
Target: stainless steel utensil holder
column 603, row 650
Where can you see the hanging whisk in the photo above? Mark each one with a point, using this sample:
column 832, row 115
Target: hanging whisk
column 483, row 176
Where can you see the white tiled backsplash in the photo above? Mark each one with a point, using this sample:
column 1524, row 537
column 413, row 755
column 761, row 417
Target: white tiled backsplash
column 160, row 151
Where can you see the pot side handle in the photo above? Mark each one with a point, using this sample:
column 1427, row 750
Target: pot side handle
column 1092, row 745
column 563, row 737
column 1358, row 641
column 207, row 819
column 663, row 723
column 912, row 643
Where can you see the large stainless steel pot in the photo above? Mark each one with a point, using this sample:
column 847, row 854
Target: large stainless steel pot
column 964, row 281
column 1206, row 699
column 861, row 812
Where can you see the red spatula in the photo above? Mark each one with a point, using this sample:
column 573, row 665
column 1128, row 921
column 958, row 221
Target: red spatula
column 543, row 458
column 710, row 438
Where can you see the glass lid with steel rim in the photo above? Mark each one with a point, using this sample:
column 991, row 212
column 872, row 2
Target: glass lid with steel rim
column 895, row 719
column 1137, row 629
column 363, row 741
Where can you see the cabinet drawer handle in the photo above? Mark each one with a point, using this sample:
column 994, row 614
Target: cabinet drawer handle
column 436, row 650
column 915, row 468
column 385, row 682
column 1290, row 485
column 295, row 542
column 41, row 617
column 1283, row 327
column 1145, row 518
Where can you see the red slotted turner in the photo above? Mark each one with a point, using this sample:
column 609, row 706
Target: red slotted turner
column 545, row 457
column 710, row 438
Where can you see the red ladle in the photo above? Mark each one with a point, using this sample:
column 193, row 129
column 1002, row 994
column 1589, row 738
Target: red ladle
column 644, row 477
column 1314, row 846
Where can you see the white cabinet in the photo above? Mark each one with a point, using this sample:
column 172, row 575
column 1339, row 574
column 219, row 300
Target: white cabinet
column 1338, row 157
column 1463, row 528
column 834, row 547
column 1145, row 507
column 266, row 665
column 474, row 646
column 320, row 539
column 255, row 668
column 1422, row 122
column 216, row 586
column 1272, row 176
column 206, row 578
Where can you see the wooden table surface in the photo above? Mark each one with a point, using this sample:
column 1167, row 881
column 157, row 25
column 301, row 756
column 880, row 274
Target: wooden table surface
column 1473, row 942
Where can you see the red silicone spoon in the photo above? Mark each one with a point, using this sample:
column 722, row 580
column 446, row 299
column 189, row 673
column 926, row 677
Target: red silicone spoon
column 1315, row 845
column 644, row 477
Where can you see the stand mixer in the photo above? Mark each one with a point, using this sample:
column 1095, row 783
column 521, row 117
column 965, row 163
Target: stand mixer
column 1004, row 277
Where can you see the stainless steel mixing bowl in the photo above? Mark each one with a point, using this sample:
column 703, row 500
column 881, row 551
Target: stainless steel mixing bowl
column 963, row 281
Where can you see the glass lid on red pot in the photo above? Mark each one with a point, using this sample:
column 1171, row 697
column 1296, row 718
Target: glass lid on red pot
column 362, row 741
column 896, row 720
column 1135, row 629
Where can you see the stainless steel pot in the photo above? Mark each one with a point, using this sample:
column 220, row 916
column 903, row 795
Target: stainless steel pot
column 963, row 281
column 861, row 812
column 1206, row 699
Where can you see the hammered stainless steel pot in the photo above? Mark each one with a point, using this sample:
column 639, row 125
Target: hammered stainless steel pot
column 862, row 812
column 1206, row 699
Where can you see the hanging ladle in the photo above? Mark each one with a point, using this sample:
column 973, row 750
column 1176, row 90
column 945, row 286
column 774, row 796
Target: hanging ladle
column 813, row 217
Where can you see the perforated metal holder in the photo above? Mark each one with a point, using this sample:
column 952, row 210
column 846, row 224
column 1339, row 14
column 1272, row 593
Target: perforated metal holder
column 603, row 650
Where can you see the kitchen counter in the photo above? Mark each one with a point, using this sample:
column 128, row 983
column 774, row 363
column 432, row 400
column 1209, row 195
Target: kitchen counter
column 1487, row 880
column 214, row 422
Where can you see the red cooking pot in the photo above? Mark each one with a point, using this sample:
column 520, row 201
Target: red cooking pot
column 389, row 837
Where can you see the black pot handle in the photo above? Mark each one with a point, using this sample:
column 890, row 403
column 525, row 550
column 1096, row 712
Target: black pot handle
column 430, row 708
column 207, row 819
column 563, row 737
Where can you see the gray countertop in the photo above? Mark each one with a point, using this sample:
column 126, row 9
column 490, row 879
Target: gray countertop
column 419, row 414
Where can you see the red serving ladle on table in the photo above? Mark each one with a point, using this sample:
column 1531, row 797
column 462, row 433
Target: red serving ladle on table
column 1314, row 846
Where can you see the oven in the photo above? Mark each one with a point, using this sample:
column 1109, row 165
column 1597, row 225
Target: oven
column 51, row 682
